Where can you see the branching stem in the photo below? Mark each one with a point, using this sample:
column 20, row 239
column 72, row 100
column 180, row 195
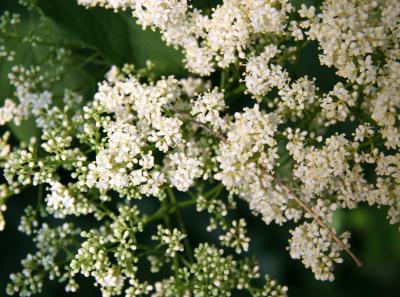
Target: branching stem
column 181, row 224
column 319, row 221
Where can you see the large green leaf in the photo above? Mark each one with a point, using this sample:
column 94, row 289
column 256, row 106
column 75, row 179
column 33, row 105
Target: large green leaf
column 115, row 35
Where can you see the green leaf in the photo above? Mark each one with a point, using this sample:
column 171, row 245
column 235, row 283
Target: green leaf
column 115, row 35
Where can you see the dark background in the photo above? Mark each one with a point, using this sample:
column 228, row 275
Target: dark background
column 121, row 41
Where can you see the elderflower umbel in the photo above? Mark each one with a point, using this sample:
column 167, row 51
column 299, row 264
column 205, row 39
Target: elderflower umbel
column 317, row 250
column 171, row 238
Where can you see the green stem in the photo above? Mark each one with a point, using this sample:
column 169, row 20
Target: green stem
column 217, row 189
column 162, row 211
column 167, row 220
column 240, row 89
column 181, row 224
column 106, row 211
column 47, row 43
column 309, row 119
column 39, row 206
column 223, row 80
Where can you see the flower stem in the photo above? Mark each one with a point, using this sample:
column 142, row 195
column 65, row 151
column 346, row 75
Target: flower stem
column 181, row 224
column 320, row 222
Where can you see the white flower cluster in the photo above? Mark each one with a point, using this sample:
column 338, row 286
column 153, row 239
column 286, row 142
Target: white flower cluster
column 388, row 185
column 318, row 167
column 183, row 169
column 264, row 74
column 92, row 260
column 385, row 104
column 247, row 161
column 125, row 160
column 122, row 162
column 207, row 41
column 247, row 158
column 48, row 241
column 207, row 108
column 60, row 202
column 95, row 258
column 27, row 83
column 317, row 250
column 214, row 274
column 335, row 105
column 171, row 238
column 7, row 112
column 30, row 88
column 295, row 153
column 350, row 32
column 260, row 77
column 59, row 197
column 236, row 237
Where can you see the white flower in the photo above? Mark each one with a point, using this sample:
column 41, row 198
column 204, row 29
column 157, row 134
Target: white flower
column 265, row 16
column 228, row 32
column 207, row 107
column 182, row 170
column 319, row 167
column 59, row 197
column 247, row 160
column 363, row 131
column 7, row 111
column 111, row 278
column 5, row 148
column 261, row 77
column 236, row 237
column 166, row 133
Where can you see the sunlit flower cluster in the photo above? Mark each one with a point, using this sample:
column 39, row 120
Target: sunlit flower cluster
column 208, row 41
